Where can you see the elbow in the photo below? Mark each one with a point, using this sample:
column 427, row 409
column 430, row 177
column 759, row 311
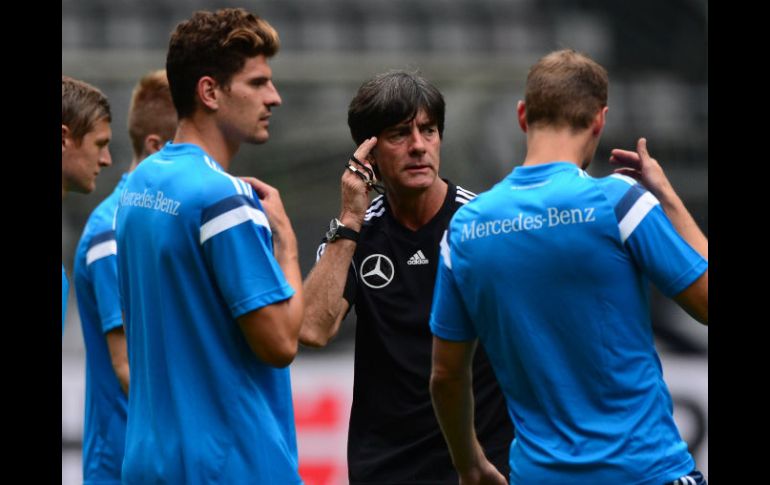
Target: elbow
column 280, row 356
column 700, row 312
column 438, row 383
column 704, row 316
column 312, row 339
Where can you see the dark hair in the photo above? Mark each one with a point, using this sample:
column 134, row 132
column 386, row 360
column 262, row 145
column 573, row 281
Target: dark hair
column 214, row 44
column 565, row 88
column 151, row 110
column 82, row 105
column 391, row 98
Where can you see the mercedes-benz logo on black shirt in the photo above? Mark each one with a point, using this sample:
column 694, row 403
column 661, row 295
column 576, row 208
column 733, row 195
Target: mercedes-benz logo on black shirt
column 377, row 271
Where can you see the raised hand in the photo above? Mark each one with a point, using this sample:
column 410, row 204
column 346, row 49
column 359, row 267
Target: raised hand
column 642, row 167
column 354, row 190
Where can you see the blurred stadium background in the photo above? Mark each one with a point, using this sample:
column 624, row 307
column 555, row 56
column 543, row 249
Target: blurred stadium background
column 477, row 52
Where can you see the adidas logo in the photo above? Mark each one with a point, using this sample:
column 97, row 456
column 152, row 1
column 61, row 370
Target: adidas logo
column 417, row 258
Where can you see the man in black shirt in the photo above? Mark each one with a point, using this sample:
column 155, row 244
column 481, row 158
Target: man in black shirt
column 383, row 260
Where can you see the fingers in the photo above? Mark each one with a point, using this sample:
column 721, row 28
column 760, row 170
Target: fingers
column 362, row 152
column 625, row 157
column 261, row 188
column 635, row 174
column 617, row 152
column 641, row 148
column 360, row 164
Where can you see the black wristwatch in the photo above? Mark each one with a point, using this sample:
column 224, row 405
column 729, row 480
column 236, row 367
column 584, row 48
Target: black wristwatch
column 339, row 230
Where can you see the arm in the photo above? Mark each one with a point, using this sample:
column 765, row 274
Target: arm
column 116, row 343
column 324, row 305
column 642, row 167
column 272, row 331
column 104, row 277
column 452, row 395
column 695, row 299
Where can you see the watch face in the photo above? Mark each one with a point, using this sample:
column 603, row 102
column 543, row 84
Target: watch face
column 331, row 234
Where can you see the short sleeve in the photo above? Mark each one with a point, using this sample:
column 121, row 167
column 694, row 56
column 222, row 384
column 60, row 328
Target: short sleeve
column 663, row 255
column 651, row 240
column 449, row 318
column 102, row 268
column 237, row 244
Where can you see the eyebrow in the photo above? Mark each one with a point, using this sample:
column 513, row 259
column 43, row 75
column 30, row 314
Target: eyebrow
column 262, row 79
column 406, row 125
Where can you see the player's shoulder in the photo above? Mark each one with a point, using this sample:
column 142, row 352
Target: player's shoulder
column 214, row 185
column 461, row 195
column 618, row 188
column 102, row 217
column 471, row 202
column 458, row 196
column 374, row 215
column 195, row 176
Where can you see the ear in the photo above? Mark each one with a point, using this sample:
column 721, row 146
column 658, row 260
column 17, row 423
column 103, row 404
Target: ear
column 207, row 90
column 65, row 133
column 152, row 143
column 599, row 121
column 521, row 113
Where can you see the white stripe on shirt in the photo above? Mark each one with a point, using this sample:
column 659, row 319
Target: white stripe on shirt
column 468, row 193
column 635, row 214
column 101, row 250
column 624, row 178
column 232, row 218
column 212, row 165
column 372, row 215
column 445, row 251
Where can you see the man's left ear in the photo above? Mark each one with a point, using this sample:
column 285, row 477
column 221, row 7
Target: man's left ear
column 600, row 120
column 206, row 90
column 65, row 131
column 521, row 115
column 152, row 143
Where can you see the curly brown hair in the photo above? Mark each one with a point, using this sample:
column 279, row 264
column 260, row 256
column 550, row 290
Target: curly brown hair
column 215, row 44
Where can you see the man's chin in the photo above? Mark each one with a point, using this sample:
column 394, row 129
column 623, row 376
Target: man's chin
column 259, row 139
column 420, row 182
column 85, row 189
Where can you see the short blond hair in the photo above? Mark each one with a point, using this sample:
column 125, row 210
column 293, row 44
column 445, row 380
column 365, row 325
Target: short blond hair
column 565, row 88
column 151, row 110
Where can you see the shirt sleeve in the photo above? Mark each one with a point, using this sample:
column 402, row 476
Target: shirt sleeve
column 102, row 267
column 238, row 248
column 449, row 318
column 654, row 244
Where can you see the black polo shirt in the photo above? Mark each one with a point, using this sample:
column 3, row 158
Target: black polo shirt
column 394, row 436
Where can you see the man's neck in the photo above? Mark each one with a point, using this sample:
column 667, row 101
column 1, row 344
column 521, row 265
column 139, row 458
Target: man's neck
column 546, row 145
column 200, row 130
column 414, row 209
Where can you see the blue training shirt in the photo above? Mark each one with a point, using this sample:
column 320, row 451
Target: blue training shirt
column 195, row 253
column 550, row 269
column 98, row 297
